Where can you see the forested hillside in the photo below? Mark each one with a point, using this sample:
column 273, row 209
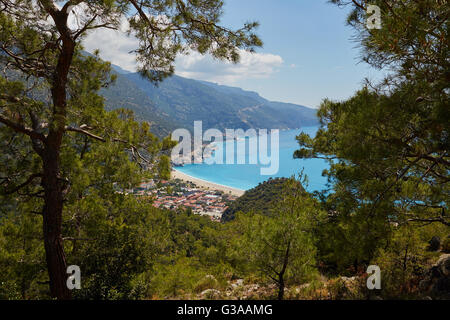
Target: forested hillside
column 262, row 199
column 123, row 93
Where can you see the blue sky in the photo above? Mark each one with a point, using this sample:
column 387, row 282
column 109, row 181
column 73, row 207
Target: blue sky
column 308, row 52
column 320, row 59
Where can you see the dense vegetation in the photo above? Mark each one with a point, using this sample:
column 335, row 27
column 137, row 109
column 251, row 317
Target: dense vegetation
column 128, row 249
column 388, row 146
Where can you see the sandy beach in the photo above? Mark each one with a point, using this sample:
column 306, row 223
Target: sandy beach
column 206, row 184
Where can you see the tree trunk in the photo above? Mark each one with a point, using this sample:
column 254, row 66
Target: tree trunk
column 52, row 183
column 52, row 214
column 281, row 287
column 282, row 272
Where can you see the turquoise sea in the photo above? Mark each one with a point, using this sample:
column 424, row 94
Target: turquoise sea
column 248, row 176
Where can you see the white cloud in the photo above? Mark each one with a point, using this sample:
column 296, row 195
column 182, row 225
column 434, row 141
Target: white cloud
column 115, row 46
column 205, row 67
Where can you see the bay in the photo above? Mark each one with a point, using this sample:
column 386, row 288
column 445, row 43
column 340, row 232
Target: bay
column 247, row 176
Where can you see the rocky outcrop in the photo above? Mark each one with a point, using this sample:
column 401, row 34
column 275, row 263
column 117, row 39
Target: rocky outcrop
column 238, row 290
column 210, row 294
column 437, row 281
column 241, row 291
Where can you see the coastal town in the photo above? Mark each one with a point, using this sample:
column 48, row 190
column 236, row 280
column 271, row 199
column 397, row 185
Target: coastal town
column 178, row 194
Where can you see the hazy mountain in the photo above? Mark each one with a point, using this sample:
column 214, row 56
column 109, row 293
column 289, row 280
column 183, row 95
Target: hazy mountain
column 177, row 102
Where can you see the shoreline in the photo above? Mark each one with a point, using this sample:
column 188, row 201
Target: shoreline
column 204, row 184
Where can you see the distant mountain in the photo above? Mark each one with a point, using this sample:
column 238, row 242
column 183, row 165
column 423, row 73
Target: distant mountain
column 177, row 102
column 119, row 70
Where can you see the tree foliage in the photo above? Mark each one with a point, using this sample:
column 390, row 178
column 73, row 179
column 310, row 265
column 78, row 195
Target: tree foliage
column 61, row 143
column 263, row 198
column 281, row 246
column 388, row 145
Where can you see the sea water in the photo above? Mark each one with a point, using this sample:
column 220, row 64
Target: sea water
column 248, row 176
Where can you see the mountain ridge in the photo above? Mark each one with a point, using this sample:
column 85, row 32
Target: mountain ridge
column 177, row 102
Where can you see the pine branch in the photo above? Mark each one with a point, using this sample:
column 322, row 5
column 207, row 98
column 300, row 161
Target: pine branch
column 21, row 129
column 85, row 132
column 23, row 185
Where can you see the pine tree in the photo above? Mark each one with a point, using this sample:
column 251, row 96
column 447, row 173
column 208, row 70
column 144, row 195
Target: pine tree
column 49, row 106
column 281, row 246
column 388, row 145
